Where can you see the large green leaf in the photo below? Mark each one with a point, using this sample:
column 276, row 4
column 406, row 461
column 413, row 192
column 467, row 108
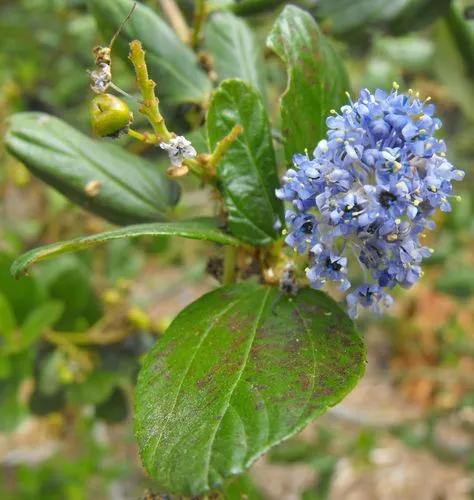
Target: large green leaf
column 238, row 371
column 171, row 63
column 234, row 49
column 316, row 79
column 131, row 189
column 247, row 173
column 198, row 229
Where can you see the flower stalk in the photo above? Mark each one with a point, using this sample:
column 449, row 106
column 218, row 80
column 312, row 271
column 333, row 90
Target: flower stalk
column 222, row 147
column 150, row 104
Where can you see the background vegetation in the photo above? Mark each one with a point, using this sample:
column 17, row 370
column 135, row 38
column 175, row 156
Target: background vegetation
column 65, row 420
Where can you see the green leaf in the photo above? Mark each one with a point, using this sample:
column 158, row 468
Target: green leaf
column 348, row 15
column 131, row 189
column 234, row 50
column 42, row 404
column 95, row 389
column 458, row 283
column 247, row 173
column 114, row 409
column 12, row 407
column 172, row 64
column 241, row 488
column 416, row 14
column 12, row 411
column 39, row 320
column 7, row 318
column 412, row 52
column 238, row 371
column 317, row 79
column 453, row 64
column 68, row 280
column 23, row 296
column 398, row 16
column 197, row 229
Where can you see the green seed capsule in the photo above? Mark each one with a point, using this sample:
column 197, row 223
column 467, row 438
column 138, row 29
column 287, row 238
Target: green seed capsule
column 109, row 115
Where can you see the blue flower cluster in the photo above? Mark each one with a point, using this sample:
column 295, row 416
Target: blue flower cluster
column 368, row 194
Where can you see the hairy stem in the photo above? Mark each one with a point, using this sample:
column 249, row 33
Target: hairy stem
column 143, row 137
column 150, row 104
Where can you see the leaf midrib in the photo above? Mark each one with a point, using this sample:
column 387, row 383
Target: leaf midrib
column 186, row 371
column 76, row 154
column 254, row 163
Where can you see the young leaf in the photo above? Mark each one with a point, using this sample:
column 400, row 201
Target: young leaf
column 197, row 229
column 127, row 189
column 171, row 63
column 238, row 371
column 247, row 172
column 317, row 79
column 234, row 50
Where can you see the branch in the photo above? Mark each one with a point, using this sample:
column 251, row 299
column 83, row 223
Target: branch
column 150, row 104
column 176, row 19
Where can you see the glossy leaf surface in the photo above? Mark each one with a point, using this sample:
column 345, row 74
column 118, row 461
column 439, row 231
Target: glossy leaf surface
column 317, row 79
column 247, row 173
column 238, row 371
column 234, row 50
column 127, row 190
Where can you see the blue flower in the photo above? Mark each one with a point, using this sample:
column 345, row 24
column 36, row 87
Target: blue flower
column 368, row 193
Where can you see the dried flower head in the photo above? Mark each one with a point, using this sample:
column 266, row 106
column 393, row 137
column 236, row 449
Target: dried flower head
column 179, row 149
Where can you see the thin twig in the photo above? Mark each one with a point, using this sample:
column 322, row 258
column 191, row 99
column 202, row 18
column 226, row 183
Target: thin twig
column 145, row 137
column 150, row 104
column 176, row 19
column 200, row 14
